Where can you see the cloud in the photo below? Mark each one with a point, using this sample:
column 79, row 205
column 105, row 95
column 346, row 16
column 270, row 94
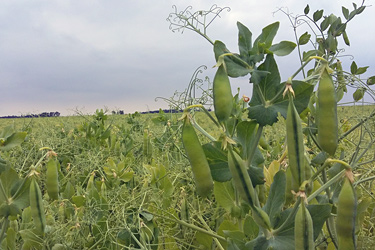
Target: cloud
column 58, row 55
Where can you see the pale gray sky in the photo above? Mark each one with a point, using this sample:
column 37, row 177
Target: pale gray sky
column 59, row 55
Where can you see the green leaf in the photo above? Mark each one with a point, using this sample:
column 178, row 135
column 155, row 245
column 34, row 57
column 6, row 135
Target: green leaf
column 324, row 24
column 340, row 29
column 16, row 190
column 276, row 242
column 235, row 239
column 13, row 141
column 306, row 54
column 226, row 226
column 353, row 68
column 361, row 70
column 345, row 12
column 360, row 9
column 246, row 131
column 235, row 65
column 283, row 48
column 218, row 161
column 224, row 194
column 250, row 227
column 244, row 41
column 31, row 239
column 358, row 94
column 269, row 33
column 317, row 15
column 319, row 214
column 304, row 38
column 256, row 173
column 267, row 100
column 204, row 240
column 306, row 10
column 264, row 40
column 276, row 197
column 371, row 80
column 6, row 132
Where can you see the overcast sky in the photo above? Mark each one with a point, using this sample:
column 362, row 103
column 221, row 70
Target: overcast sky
column 62, row 55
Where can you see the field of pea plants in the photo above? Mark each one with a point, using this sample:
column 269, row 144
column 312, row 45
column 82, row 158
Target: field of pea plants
column 287, row 168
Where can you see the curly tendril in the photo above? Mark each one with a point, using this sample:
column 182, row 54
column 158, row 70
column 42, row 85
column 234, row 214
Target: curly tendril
column 199, row 91
column 197, row 21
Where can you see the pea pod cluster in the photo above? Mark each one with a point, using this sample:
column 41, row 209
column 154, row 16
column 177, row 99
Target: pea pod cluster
column 303, row 229
column 327, row 113
column 346, row 213
column 296, row 150
column 222, row 94
column 37, row 208
column 198, row 161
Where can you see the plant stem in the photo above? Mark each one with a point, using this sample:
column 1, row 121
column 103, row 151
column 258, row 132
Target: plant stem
column 204, row 132
column 356, row 126
column 326, row 185
column 194, row 227
column 208, row 229
column 288, row 219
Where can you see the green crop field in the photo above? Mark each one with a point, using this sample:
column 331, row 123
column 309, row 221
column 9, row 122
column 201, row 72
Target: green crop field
column 125, row 183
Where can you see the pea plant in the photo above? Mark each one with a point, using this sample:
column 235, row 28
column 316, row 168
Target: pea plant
column 312, row 195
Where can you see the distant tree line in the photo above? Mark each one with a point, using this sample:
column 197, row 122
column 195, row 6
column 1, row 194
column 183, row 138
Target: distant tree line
column 44, row 114
column 119, row 112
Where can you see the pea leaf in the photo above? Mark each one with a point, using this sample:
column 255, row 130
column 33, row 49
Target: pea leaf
column 224, row 194
column 244, row 41
column 235, row 65
column 353, row 68
column 306, row 10
column 345, row 12
column 16, row 191
column 264, row 40
column 246, row 131
column 304, row 38
column 306, row 54
column 324, row 24
column 361, row 70
column 283, row 48
column 358, row 94
column 218, row 161
column 276, row 197
column 267, row 100
column 317, row 15
column 319, row 214
column 371, row 80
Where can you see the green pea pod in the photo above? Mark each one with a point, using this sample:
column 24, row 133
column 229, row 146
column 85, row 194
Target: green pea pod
column 303, row 229
column 198, row 161
column 346, row 213
column 222, row 94
column 147, row 145
column 184, row 211
column 241, row 177
column 296, row 150
column 327, row 114
column 37, row 208
column 52, row 179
